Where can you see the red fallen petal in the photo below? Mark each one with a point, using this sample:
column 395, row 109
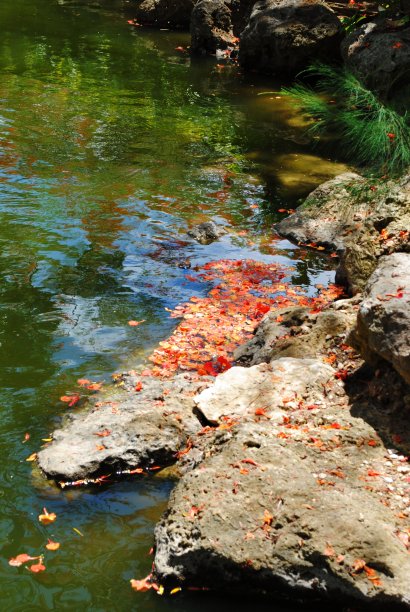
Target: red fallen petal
column 20, row 559
column 37, row 567
column 138, row 386
column 142, row 585
column 52, row 545
column 94, row 386
column 83, row 382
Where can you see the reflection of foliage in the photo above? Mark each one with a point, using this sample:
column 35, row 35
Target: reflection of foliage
column 370, row 132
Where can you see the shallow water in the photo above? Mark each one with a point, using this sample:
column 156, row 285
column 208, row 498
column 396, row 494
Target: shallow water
column 112, row 144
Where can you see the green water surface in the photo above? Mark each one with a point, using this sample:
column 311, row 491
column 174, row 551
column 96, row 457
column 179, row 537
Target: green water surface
column 112, row 144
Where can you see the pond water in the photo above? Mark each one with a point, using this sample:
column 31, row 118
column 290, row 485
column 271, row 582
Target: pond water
column 112, row 144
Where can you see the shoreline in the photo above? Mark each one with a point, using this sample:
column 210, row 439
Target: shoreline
column 297, row 417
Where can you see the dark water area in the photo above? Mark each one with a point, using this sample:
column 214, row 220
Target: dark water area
column 112, row 144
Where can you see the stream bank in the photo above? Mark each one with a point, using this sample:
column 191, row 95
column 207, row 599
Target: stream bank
column 291, row 459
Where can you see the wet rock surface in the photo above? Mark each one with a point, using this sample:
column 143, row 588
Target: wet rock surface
column 284, row 36
column 126, row 430
column 206, row 232
column 359, row 220
column 383, row 322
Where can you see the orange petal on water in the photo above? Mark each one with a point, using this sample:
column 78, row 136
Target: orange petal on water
column 52, row 545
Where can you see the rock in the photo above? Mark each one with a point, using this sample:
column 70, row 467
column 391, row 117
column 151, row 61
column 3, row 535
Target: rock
column 300, row 333
column 358, row 258
column 383, row 321
column 206, row 232
column 144, row 429
column 361, row 220
column 267, row 514
column 211, row 26
column 284, row 36
column 239, row 391
column 325, row 214
column 164, row 12
column 378, row 55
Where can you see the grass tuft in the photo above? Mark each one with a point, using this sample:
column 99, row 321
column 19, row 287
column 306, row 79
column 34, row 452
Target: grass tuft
column 370, row 132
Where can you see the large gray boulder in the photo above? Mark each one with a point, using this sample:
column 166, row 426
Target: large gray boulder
column 284, row 36
column 378, row 56
column 383, row 322
column 273, row 512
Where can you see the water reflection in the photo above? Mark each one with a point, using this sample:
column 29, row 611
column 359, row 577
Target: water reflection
column 112, row 145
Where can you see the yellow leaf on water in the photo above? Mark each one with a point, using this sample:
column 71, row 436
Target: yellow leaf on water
column 78, row 531
column 176, row 590
column 32, row 457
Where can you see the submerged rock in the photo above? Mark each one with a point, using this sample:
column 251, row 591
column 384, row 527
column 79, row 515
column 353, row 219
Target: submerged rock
column 383, row 322
column 284, row 36
column 206, row 232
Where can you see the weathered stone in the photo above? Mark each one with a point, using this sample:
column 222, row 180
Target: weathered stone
column 360, row 220
column 206, row 232
column 383, row 322
column 164, row 12
column 298, row 333
column 378, row 55
column 239, row 391
column 284, row 36
column 145, row 428
column 211, row 26
column 271, row 515
column 325, row 214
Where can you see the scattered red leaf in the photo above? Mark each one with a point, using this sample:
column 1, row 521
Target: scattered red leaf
column 94, row 386
column 138, row 386
column 71, row 400
column 104, row 433
column 358, row 565
column 37, row 567
column 250, row 462
column 52, row 545
column 26, row 438
column 47, row 517
column 135, row 323
column 20, row 559
column 83, row 382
